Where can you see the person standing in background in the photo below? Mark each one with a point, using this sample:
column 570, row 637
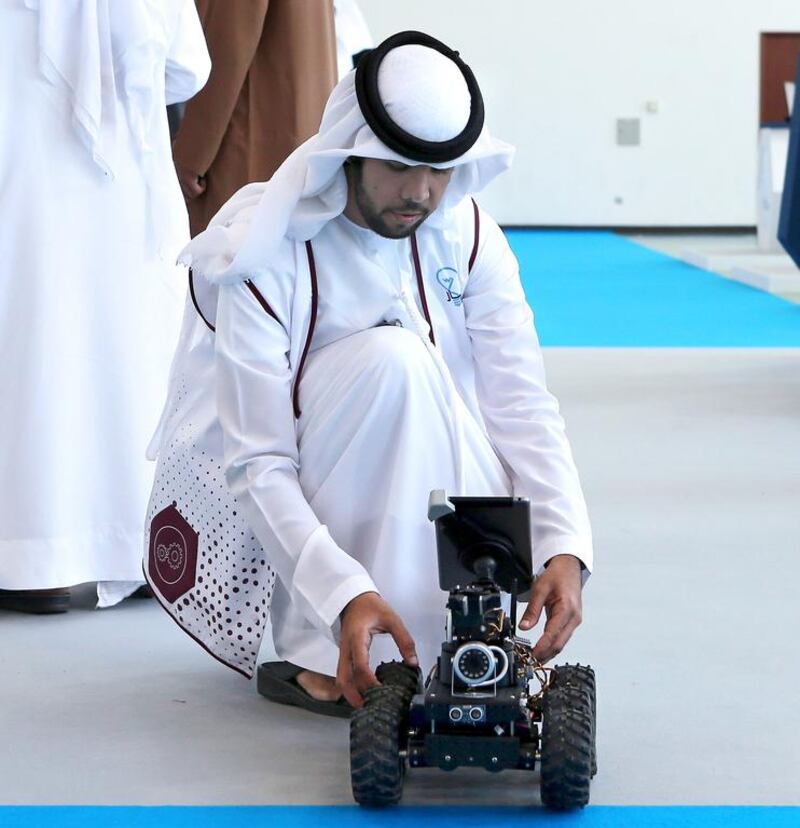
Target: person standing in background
column 273, row 67
column 90, row 299
column 352, row 34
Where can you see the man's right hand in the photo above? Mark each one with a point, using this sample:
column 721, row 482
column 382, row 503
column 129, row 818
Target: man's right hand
column 367, row 615
column 192, row 184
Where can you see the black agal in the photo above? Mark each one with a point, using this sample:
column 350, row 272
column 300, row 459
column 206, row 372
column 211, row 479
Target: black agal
column 394, row 136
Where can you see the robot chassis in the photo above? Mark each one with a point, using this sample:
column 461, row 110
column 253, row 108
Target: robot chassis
column 487, row 702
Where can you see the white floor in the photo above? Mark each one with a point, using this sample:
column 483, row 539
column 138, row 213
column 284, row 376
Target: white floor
column 691, row 464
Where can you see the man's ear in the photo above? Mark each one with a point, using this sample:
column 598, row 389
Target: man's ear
column 352, row 168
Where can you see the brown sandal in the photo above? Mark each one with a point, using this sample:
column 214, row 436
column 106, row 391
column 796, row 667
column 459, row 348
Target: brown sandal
column 35, row 601
column 277, row 681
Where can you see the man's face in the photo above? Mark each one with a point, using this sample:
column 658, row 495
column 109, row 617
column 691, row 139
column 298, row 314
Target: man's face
column 391, row 198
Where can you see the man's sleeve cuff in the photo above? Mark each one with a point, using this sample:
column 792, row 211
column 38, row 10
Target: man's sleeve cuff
column 332, row 607
column 576, row 545
column 326, row 578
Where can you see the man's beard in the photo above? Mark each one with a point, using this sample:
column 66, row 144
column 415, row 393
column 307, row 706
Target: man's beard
column 375, row 218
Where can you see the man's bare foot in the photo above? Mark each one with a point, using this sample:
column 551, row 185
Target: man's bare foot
column 319, row 687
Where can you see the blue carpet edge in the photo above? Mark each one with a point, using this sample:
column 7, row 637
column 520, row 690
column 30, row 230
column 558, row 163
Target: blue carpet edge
column 311, row 816
column 601, row 289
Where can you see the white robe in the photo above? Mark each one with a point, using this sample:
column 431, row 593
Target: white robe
column 352, row 33
column 336, row 496
column 89, row 299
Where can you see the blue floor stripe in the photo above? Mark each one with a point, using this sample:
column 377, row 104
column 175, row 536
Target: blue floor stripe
column 418, row 817
column 598, row 289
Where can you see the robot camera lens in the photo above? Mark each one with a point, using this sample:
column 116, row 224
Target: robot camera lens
column 474, row 663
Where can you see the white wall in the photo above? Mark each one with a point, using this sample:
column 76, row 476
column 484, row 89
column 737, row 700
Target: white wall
column 556, row 75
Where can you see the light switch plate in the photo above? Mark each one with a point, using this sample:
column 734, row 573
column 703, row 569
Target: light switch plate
column 628, row 132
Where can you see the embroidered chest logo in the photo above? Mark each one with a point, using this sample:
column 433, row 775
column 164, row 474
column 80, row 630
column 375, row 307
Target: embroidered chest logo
column 446, row 276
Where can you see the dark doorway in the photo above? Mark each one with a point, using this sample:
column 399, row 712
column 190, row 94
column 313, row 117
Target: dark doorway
column 779, row 54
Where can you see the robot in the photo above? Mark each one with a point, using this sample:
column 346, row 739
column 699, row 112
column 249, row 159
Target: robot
column 486, row 702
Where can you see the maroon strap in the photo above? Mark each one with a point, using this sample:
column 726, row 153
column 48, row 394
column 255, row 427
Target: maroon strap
column 261, row 300
column 421, row 284
column 194, row 302
column 476, row 237
column 253, row 289
column 312, row 268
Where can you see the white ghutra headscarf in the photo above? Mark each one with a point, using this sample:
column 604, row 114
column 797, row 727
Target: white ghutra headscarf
column 424, row 91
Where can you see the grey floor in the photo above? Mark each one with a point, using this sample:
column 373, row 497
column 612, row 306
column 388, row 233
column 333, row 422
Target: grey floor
column 672, row 242
column 691, row 465
column 727, row 254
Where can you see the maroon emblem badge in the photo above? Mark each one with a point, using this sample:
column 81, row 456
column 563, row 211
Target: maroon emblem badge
column 172, row 560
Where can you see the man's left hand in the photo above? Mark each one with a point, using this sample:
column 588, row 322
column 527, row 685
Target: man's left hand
column 557, row 591
column 192, row 183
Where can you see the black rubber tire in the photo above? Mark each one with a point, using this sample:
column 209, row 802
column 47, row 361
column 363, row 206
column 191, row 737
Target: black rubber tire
column 568, row 756
column 584, row 675
column 592, row 689
column 400, row 675
column 376, row 767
